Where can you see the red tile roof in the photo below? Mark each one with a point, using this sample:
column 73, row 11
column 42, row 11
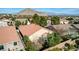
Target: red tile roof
column 29, row 29
column 8, row 34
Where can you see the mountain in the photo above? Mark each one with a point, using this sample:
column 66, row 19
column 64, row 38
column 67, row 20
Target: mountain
column 62, row 14
column 29, row 11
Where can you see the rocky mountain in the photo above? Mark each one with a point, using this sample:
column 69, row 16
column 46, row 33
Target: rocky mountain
column 29, row 11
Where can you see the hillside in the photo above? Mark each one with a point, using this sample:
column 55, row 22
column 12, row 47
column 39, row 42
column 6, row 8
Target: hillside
column 29, row 11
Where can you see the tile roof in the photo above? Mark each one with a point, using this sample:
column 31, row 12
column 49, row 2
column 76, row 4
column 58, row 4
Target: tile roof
column 29, row 29
column 8, row 34
column 62, row 26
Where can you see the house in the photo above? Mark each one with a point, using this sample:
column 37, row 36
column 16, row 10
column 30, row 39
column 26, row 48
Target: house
column 23, row 20
column 5, row 22
column 33, row 31
column 64, row 21
column 48, row 22
column 9, row 39
column 2, row 23
column 65, row 29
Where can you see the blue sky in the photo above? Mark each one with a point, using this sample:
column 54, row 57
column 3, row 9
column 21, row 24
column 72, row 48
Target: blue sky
column 71, row 11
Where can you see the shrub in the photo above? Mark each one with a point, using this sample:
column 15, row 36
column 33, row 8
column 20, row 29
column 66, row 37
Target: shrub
column 17, row 23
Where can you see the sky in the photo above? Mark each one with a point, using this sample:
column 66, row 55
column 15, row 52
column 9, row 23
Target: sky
column 71, row 11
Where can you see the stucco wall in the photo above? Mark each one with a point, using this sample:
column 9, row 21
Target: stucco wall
column 11, row 46
column 39, row 33
column 21, row 20
column 2, row 23
column 64, row 22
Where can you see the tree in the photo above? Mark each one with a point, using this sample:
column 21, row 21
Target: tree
column 26, row 21
column 53, row 39
column 55, row 20
column 66, row 37
column 67, row 44
column 50, row 40
column 68, row 47
column 36, row 19
column 28, row 18
column 70, row 18
column 40, row 20
column 26, row 39
column 77, row 42
column 17, row 23
column 76, row 46
column 29, row 46
column 23, row 23
column 43, row 21
column 13, row 18
column 56, row 38
column 76, row 22
column 45, row 45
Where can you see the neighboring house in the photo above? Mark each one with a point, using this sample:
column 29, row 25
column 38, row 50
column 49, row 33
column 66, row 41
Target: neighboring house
column 64, row 21
column 33, row 31
column 2, row 24
column 48, row 22
column 23, row 21
column 9, row 39
column 9, row 22
column 5, row 22
column 65, row 29
column 76, row 26
column 75, row 18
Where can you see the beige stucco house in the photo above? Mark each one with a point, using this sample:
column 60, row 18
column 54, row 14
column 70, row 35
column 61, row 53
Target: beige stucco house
column 23, row 20
column 64, row 21
column 9, row 39
column 33, row 31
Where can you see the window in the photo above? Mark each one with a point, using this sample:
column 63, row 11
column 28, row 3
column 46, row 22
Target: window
column 15, row 43
column 1, row 47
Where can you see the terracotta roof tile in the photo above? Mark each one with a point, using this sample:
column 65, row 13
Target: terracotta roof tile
column 29, row 29
column 8, row 34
